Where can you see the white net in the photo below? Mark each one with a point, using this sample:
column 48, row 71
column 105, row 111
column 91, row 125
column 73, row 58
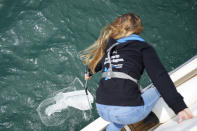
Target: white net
column 66, row 104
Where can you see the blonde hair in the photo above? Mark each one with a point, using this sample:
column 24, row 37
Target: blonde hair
column 122, row 26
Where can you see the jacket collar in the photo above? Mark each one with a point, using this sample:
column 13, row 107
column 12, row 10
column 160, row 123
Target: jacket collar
column 123, row 41
column 131, row 37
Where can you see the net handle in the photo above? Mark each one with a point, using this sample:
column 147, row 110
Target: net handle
column 86, row 87
column 86, row 83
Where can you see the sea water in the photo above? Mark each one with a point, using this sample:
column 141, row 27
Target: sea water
column 40, row 42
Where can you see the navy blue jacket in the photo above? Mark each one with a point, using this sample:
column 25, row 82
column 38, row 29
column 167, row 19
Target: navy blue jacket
column 132, row 57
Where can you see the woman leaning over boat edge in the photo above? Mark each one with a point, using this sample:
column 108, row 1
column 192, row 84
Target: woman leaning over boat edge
column 133, row 55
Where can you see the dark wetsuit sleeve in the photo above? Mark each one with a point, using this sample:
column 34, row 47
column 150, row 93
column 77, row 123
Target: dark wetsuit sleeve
column 97, row 68
column 162, row 80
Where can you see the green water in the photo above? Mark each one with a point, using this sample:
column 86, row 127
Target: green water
column 40, row 41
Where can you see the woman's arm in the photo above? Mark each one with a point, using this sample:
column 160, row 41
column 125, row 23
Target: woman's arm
column 88, row 74
column 162, row 81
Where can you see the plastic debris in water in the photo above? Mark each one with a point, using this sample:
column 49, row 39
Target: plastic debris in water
column 68, row 103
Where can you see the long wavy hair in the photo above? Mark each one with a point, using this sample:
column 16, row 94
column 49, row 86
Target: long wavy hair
column 122, row 26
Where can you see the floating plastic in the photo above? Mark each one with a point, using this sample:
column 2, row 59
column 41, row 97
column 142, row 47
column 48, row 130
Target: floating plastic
column 66, row 104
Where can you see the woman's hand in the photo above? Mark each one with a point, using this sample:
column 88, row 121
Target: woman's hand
column 186, row 114
column 87, row 77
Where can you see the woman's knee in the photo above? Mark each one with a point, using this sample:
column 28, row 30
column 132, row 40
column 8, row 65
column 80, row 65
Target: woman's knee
column 114, row 127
